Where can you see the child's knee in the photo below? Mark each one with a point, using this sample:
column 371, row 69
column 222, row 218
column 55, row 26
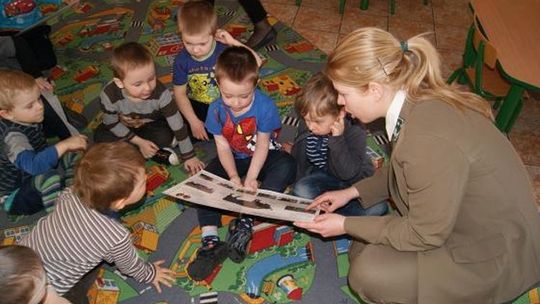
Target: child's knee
column 304, row 189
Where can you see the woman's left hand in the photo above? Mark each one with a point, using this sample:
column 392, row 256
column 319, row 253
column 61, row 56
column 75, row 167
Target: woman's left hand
column 225, row 37
column 327, row 225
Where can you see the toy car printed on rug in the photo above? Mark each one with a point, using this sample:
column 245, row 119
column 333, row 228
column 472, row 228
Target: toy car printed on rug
column 205, row 188
column 21, row 15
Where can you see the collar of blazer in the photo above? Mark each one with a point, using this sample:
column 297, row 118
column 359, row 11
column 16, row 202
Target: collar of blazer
column 402, row 119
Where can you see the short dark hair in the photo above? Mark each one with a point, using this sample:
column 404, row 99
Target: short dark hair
column 317, row 97
column 237, row 63
column 107, row 172
column 128, row 56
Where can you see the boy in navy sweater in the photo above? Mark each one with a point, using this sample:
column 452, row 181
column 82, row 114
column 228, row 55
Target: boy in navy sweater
column 29, row 179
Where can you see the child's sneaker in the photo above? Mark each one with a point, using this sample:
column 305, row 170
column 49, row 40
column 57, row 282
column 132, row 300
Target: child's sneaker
column 208, row 258
column 238, row 239
column 166, row 156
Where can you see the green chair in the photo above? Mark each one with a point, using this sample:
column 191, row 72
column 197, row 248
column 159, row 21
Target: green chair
column 341, row 5
column 480, row 67
column 365, row 3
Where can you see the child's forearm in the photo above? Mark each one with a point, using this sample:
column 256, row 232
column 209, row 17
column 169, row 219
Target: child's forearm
column 259, row 156
column 231, row 41
column 183, row 103
column 37, row 163
column 225, row 156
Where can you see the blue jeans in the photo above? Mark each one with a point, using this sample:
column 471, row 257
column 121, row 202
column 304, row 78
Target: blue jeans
column 277, row 173
column 319, row 181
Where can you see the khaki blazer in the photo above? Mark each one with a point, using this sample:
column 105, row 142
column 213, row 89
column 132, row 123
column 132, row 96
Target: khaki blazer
column 466, row 203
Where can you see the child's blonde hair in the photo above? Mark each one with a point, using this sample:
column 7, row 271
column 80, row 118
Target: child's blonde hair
column 12, row 83
column 22, row 277
column 196, row 18
column 318, row 98
column 237, row 64
column 107, row 172
column 129, row 56
column 373, row 55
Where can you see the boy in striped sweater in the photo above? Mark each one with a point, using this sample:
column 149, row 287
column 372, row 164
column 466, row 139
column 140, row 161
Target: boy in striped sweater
column 329, row 148
column 140, row 109
column 79, row 235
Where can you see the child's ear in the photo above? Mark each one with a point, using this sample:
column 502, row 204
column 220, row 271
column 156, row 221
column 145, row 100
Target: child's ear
column 119, row 83
column 118, row 204
column 5, row 114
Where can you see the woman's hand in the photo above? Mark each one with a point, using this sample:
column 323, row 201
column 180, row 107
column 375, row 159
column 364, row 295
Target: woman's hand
column 327, row 225
column 332, row 200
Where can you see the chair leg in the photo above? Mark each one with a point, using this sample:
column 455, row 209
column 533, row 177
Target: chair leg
column 510, row 108
column 341, row 7
column 457, row 74
column 514, row 116
column 364, row 4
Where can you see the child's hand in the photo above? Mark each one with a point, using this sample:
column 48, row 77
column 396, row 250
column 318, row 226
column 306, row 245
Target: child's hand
column 198, row 130
column 339, row 125
column 236, row 180
column 147, row 148
column 225, row 37
column 73, row 143
column 44, row 85
column 287, row 147
column 251, row 184
column 164, row 276
column 193, row 165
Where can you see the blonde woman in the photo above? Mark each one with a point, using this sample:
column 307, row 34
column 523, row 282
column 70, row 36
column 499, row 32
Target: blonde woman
column 466, row 229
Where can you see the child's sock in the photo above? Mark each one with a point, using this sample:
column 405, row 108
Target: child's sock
column 245, row 223
column 49, row 185
column 209, row 236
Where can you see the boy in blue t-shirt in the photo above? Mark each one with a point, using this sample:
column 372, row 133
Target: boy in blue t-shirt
column 195, row 86
column 245, row 123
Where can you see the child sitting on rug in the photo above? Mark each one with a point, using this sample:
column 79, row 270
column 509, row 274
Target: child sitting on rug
column 78, row 235
column 139, row 108
column 29, row 178
column 329, row 148
column 244, row 123
column 23, row 279
column 193, row 70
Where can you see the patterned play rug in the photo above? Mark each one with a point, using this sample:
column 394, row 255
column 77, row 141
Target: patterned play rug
column 283, row 265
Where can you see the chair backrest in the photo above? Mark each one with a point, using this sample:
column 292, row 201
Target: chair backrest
column 480, row 41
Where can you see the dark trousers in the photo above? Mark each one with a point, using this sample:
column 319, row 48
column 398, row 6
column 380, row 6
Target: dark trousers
column 34, row 50
column 277, row 173
column 27, row 200
column 78, row 293
column 52, row 124
column 318, row 181
column 157, row 131
column 253, row 8
column 201, row 110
